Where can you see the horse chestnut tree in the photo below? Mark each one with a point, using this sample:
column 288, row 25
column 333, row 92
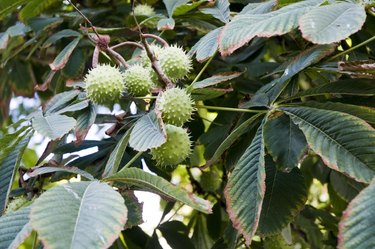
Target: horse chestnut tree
column 252, row 120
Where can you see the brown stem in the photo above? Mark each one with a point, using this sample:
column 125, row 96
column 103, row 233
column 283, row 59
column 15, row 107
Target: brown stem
column 156, row 65
column 158, row 38
column 128, row 43
column 118, row 57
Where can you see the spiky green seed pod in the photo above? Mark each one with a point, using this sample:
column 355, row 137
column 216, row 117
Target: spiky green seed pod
column 175, row 150
column 174, row 62
column 138, row 80
column 156, row 49
column 144, row 10
column 104, row 85
column 176, row 106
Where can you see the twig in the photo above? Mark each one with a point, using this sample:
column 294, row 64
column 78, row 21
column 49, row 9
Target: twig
column 127, row 43
column 117, row 56
column 86, row 19
column 158, row 38
column 150, row 54
column 351, row 49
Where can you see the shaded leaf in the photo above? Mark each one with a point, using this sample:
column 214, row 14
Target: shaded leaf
column 176, row 234
column 158, row 185
column 114, row 160
column 79, row 215
column 14, row 228
column 233, row 136
column 201, row 237
column 59, row 35
column 46, row 170
column 356, row 228
column 344, row 142
column 84, row 122
column 206, row 46
column 220, row 10
column 245, row 27
column 245, row 189
column 344, row 186
column 135, row 209
column 286, row 194
column 147, row 133
column 53, row 126
column 360, row 87
column 284, row 141
column 209, row 93
column 332, row 23
column 12, row 148
column 269, row 92
column 8, row 6
column 63, row 57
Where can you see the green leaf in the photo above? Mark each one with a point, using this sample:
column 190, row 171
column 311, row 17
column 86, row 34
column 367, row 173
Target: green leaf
column 344, row 142
column 8, row 6
column 208, row 93
column 286, row 194
column 47, row 170
column 79, row 215
column 84, row 122
column 176, row 234
column 344, row 186
column 206, row 46
column 201, row 237
column 233, row 136
column 12, row 148
column 362, row 112
column 356, row 228
column 53, row 126
column 158, row 185
column 332, row 23
column 59, row 35
column 166, row 24
column 284, row 141
column 74, row 107
column 63, row 57
column 114, row 160
column 147, row 133
column 359, row 87
column 269, row 92
column 75, row 65
column 216, row 79
column 39, row 24
column 183, row 9
column 245, row 189
column 34, row 8
column 245, row 27
column 60, row 101
column 220, row 10
column 171, row 5
column 14, row 228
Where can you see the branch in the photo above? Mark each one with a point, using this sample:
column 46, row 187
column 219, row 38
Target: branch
column 128, row 43
column 158, row 38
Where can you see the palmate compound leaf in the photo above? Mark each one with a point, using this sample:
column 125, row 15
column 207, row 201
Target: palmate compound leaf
column 79, row 215
column 344, row 142
column 332, row 23
column 356, row 228
column 245, row 189
column 160, row 186
column 14, row 228
column 285, row 196
column 245, row 27
column 206, row 46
